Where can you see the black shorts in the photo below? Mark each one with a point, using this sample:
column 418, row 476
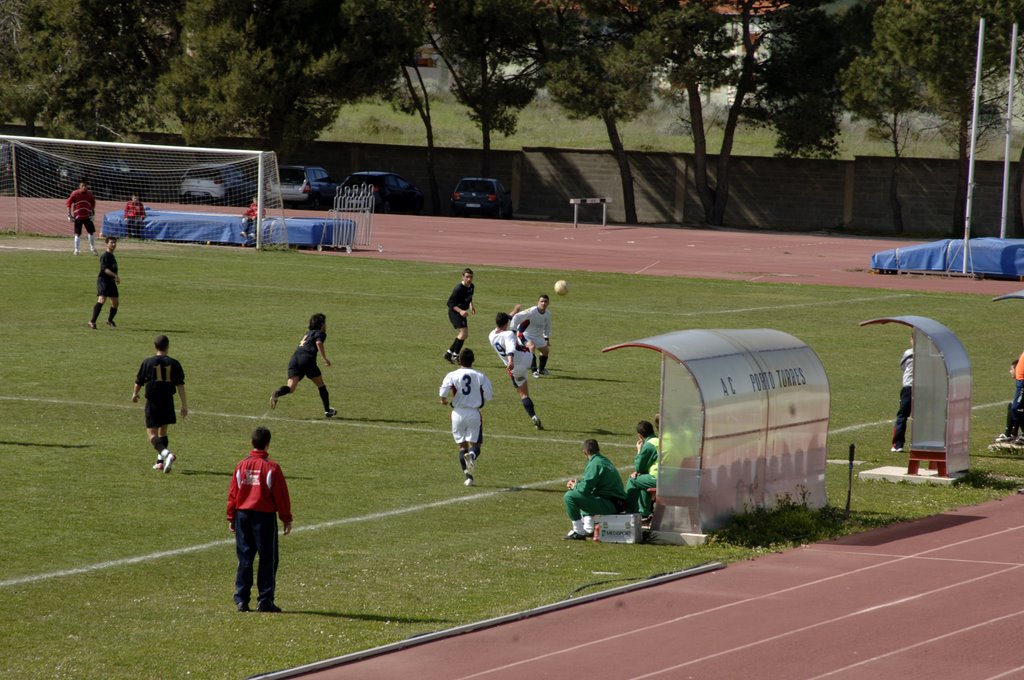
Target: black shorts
column 106, row 287
column 87, row 223
column 160, row 412
column 303, row 365
column 458, row 321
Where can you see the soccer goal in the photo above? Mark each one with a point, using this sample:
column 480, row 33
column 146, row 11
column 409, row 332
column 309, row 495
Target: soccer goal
column 188, row 194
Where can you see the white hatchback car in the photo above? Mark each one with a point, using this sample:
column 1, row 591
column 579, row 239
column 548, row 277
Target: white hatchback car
column 216, row 183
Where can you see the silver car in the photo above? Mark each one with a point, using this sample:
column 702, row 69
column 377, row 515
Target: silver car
column 307, row 185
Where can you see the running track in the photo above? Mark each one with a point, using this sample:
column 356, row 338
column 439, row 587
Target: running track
column 941, row 597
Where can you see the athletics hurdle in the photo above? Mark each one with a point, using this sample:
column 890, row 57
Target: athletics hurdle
column 577, row 202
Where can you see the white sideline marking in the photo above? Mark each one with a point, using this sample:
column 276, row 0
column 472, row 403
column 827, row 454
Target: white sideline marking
column 125, row 561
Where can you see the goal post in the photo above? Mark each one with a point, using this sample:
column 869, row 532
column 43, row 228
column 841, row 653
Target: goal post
column 189, row 194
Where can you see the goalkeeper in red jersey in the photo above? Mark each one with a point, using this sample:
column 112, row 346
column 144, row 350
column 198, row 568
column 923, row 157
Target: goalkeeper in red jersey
column 81, row 207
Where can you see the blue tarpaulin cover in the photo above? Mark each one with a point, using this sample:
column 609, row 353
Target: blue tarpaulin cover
column 996, row 257
column 168, row 225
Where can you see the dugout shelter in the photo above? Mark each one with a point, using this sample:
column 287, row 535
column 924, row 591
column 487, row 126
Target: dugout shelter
column 940, row 424
column 744, row 425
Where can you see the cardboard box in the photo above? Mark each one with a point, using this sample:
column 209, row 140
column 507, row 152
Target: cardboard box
column 617, row 528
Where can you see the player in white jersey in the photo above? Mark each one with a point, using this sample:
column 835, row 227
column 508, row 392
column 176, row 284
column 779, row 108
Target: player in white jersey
column 535, row 325
column 466, row 390
column 516, row 357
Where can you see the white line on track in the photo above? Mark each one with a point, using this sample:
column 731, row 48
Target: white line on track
column 126, row 561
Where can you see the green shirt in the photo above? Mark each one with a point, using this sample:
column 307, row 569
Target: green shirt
column 601, row 479
column 646, row 456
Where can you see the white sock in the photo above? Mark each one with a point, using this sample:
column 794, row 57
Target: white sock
column 77, row 239
column 163, row 454
column 588, row 524
column 92, row 242
column 577, row 526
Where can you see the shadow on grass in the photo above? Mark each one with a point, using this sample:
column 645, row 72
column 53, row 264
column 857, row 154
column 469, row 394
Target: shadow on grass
column 576, row 377
column 46, row 446
column 228, row 473
column 367, row 617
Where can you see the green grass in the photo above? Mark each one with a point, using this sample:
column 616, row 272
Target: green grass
column 661, row 128
column 388, row 543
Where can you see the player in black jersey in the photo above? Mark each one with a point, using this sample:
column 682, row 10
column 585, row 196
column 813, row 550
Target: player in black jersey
column 162, row 376
column 106, row 285
column 460, row 306
column 303, row 364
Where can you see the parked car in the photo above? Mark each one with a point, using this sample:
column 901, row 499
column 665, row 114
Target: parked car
column 392, row 193
column 481, row 196
column 307, row 185
column 117, row 180
column 216, row 183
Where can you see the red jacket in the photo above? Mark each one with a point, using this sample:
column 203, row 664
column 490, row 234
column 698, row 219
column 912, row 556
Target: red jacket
column 258, row 484
column 81, row 203
column 134, row 209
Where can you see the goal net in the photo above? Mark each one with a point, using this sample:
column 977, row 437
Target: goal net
column 187, row 194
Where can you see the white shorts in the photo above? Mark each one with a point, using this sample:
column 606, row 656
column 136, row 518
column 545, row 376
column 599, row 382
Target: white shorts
column 521, row 373
column 466, row 425
column 538, row 341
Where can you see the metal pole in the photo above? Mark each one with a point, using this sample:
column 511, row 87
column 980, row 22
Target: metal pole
column 849, row 483
column 1009, row 131
column 974, row 143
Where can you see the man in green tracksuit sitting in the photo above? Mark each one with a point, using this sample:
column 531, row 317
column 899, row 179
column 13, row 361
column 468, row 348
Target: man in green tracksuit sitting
column 598, row 492
column 645, row 471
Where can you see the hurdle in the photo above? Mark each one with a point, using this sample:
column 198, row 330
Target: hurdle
column 577, row 202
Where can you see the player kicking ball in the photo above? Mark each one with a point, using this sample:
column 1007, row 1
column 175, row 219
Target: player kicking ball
column 466, row 390
column 516, row 357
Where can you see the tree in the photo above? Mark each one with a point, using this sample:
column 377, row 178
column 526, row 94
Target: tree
column 715, row 47
column 407, row 24
column 935, row 43
column 86, row 68
column 886, row 94
column 274, row 70
column 606, row 72
column 493, row 49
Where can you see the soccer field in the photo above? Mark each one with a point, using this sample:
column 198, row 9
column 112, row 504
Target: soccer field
column 110, row 569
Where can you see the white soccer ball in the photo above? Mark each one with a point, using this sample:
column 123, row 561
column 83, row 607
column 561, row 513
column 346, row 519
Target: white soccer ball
column 561, row 287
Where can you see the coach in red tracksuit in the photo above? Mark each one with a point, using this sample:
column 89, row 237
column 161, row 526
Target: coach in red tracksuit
column 258, row 492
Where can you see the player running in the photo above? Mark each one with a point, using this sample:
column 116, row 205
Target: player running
column 303, row 364
column 516, row 357
column 535, row 325
column 467, row 390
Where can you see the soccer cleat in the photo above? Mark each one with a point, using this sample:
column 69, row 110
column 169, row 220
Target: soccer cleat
column 159, row 465
column 330, row 413
column 896, row 449
column 273, row 400
column 469, row 480
column 536, row 423
column 470, row 463
column 243, row 607
column 544, row 371
column 536, row 374
column 1004, row 438
column 94, row 251
column 111, row 323
column 449, row 357
column 573, row 536
column 76, row 251
column 268, row 607
column 169, row 461
column 1019, row 441
column 92, row 325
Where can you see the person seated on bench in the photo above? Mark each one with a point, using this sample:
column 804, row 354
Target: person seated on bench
column 598, row 492
column 644, row 475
